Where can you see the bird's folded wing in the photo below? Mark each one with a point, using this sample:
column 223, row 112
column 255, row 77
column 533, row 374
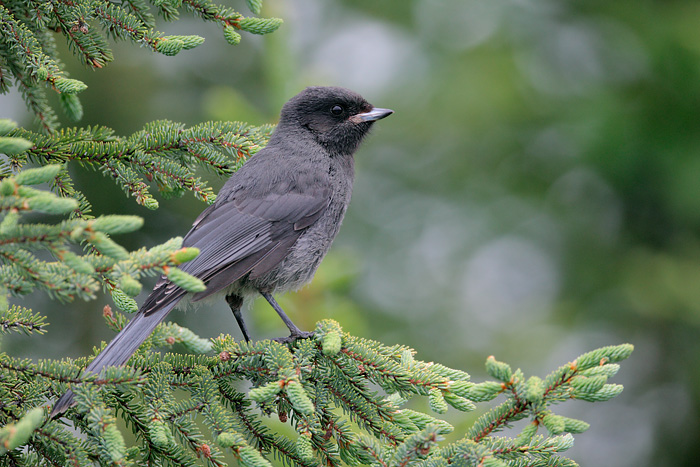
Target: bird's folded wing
column 241, row 234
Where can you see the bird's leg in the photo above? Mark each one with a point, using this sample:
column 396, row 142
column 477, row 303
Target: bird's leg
column 295, row 332
column 236, row 302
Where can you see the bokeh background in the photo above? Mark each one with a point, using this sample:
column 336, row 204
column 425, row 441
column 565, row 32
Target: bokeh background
column 535, row 195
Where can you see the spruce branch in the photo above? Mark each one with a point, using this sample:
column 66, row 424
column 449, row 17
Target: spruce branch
column 164, row 153
column 29, row 56
column 302, row 385
column 106, row 264
column 20, row 319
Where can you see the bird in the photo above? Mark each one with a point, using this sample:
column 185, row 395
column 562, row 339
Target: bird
column 272, row 222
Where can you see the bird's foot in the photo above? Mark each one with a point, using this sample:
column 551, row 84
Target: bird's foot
column 293, row 337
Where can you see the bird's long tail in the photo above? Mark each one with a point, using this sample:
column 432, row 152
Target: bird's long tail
column 121, row 348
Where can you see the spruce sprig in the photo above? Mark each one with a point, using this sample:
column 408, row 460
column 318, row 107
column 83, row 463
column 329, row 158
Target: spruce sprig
column 338, row 416
column 28, row 53
column 164, row 153
column 106, row 264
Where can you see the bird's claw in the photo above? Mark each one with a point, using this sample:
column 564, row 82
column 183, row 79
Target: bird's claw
column 294, row 337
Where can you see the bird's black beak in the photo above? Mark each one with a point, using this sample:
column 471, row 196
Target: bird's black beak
column 374, row 114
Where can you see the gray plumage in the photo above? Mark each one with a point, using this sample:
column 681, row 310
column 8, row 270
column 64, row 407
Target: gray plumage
column 273, row 221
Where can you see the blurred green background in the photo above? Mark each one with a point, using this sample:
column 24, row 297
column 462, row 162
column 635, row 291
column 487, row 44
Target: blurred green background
column 535, row 195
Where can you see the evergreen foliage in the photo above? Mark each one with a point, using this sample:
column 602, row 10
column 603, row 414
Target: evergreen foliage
column 28, row 48
column 164, row 152
column 192, row 409
column 104, row 264
column 344, row 399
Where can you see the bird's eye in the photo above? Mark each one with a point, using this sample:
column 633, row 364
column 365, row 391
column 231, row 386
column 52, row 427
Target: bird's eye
column 337, row 109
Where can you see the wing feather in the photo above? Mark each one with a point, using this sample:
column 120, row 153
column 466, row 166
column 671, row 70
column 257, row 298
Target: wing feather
column 243, row 233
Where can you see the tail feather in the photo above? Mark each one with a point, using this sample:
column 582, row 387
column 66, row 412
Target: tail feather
column 120, row 348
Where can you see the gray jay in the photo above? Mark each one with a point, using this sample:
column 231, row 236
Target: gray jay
column 272, row 222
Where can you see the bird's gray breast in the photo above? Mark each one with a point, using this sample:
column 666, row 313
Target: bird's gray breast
column 300, row 264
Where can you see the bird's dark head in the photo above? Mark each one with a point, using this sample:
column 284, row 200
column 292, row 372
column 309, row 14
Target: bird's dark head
column 335, row 117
